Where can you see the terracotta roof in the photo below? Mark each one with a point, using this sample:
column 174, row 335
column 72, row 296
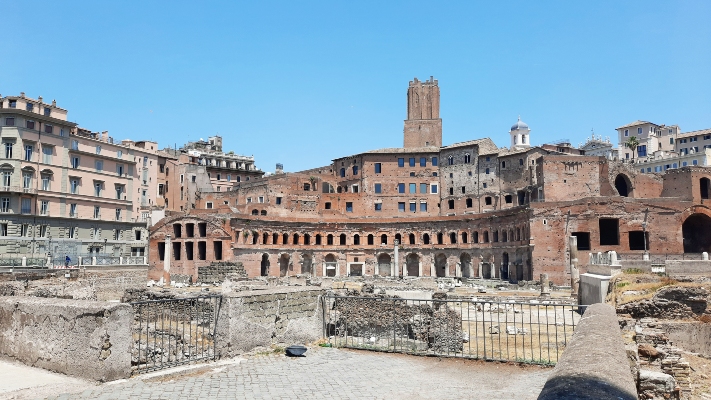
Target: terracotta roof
column 486, row 145
column 635, row 123
column 696, row 133
column 428, row 149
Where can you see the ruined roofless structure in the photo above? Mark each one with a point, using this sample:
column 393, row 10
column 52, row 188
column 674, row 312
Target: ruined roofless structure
column 467, row 209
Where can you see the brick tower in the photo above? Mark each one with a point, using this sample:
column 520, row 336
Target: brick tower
column 423, row 126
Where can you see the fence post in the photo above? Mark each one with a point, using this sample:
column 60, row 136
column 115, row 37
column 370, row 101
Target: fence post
column 93, row 260
column 24, row 261
column 120, row 260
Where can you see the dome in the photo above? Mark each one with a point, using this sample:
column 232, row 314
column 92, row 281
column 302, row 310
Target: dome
column 519, row 125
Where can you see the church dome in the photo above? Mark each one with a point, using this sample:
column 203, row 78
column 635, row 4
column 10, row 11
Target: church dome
column 519, row 125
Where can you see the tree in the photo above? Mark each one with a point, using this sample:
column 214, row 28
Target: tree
column 632, row 143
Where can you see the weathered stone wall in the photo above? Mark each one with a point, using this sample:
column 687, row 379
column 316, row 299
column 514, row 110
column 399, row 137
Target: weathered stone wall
column 282, row 315
column 595, row 364
column 216, row 272
column 85, row 339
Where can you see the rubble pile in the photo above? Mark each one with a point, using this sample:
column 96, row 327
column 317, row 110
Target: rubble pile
column 673, row 302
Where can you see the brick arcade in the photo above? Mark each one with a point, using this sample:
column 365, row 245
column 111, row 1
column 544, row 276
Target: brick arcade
column 468, row 209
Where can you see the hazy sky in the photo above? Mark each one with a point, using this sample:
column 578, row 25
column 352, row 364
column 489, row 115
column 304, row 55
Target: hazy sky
column 302, row 82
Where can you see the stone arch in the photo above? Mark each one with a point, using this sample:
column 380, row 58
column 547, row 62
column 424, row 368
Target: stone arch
column 255, row 212
column 264, row 265
column 306, row 264
column 284, row 260
column 696, row 233
column 623, row 185
column 331, row 264
column 384, row 264
column 465, row 262
column 412, row 263
column 441, row 265
column 263, row 212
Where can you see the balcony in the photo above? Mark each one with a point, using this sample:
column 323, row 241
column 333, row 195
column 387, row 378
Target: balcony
column 17, row 189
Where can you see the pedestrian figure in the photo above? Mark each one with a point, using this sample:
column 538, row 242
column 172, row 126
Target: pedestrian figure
column 67, row 260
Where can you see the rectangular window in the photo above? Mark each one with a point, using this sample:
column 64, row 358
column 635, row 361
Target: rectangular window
column 638, row 241
column 401, row 207
column 48, row 129
column 3, row 229
column 433, row 188
column 45, row 182
column 378, row 168
column 642, row 150
column 26, row 180
column 423, row 207
column 99, row 165
column 423, row 161
column 26, row 206
column 30, row 124
column 44, row 207
column 98, row 149
column 75, row 162
column 378, row 188
column 412, row 161
column 10, row 121
column 6, row 178
column 47, row 154
column 29, row 106
column 639, row 131
column 423, row 188
column 12, row 103
column 349, row 206
column 671, row 140
column 413, row 188
column 278, row 200
column 74, row 186
column 28, row 152
column 5, row 204
column 435, row 161
column 8, row 149
column 400, row 162
column 327, row 205
column 487, row 171
column 97, row 212
column 25, row 230
column 208, row 205
column 609, row 231
column 401, row 188
column 119, row 169
column 413, row 207
column 118, row 214
column 73, row 210
column 583, row 240
column 378, row 206
column 97, row 189
column 355, row 170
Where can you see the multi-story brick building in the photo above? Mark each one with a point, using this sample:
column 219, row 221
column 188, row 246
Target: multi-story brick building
column 466, row 209
column 69, row 191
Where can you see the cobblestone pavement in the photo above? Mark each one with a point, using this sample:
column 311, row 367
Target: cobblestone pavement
column 343, row 374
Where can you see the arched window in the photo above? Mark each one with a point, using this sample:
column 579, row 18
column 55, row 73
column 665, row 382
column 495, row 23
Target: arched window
column 255, row 212
column 383, row 239
column 275, row 238
column 412, row 238
column 475, row 237
column 263, row 212
column 486, row 237
column 398, row 238
column 452, row 238
column 450, row 160
column 371, row 240
column 440, row 239
column 465, row 237
column 265, row 238
column 342, row 239
column 467, row 158
column 504, row 237
column 329, row 239
column 343, row 172
column 307, row 239
column 356, row 239
column 285, row 238
column 426, row 238
column 296, row 238
column 318, row 239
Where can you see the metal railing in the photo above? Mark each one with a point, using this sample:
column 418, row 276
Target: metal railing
column 660, row 257
column 172, row 332
column 526, row 332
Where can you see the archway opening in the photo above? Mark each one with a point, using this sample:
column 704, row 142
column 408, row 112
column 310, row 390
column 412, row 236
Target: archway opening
column 283, row 264
column 264, row 265
column 413, row 264
column 306, row 264
column 384, row 267
column 623, row 186
column 505, row 266
column 441, row 265
column 696, row 233
column 465, row 262
column 331, row 265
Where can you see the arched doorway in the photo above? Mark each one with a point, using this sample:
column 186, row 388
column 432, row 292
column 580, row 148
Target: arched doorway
column 306, row 264
column 465, row 262
column 331, row 265
column 384, row 267
column 283, row 264
column 441, row 265
column 696, row 233
column 412, row 262
column 505, row 266
column 264, row 270
column 623, row 185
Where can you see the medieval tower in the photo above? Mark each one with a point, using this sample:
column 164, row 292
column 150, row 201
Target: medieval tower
column 423, row 126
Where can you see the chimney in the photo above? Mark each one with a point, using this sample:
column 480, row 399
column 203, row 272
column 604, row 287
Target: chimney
column 105, row 136
column 22, row 94
column 54, row 103
column 39, row 99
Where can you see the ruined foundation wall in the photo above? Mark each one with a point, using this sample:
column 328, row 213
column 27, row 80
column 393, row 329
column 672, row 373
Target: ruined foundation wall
column 282, row 315
column 89, row 340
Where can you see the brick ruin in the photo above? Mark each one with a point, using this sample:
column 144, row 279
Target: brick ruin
column 468, row 209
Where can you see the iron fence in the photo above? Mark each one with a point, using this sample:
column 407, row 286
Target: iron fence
column 170, row 332
column 526, row 332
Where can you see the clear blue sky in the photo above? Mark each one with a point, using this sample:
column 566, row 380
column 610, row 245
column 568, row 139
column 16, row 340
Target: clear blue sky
column 305, row 82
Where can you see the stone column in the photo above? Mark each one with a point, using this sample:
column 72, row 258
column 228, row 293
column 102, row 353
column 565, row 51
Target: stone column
column 166, row 261
column 481, row 276
column 545, row 286
column 396, row 268
column 574, row 271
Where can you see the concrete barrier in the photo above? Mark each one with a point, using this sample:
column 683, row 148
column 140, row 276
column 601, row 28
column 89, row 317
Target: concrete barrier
column 289, row 315
column 594, row 365
column 85, row 339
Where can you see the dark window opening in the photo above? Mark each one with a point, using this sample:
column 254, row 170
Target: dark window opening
column 412, row 238
column 255, row 238
column 622, row 186
column 475, row 237
column 285, row 238
column 218, row 249
column 508, row 199
column 440, row 238
column 486, row 237
column 202, row 250
column 307, row 239
column 453, row 238
column 521, row 197
column 451, row 191
column 426, row 238
column 161, row 251
column 450, row 204
column 318, row 240
column 329, row 240
column 487, row 200
column 296, row 238
column 469, row 203
column 190, row 230
column 496, row 236
column 265, row 238
column 638, row 241
column 275, row 238
column 202, row 229
column 327, row 206
column 356, row 240
column 383, row 239
column 188, row 250
column 465, row 237
column 705, row 184
column 609, row 232
column 583, row 240
column 176, row 251
column 342, row 239
column 370, row 240
column 177, row 230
